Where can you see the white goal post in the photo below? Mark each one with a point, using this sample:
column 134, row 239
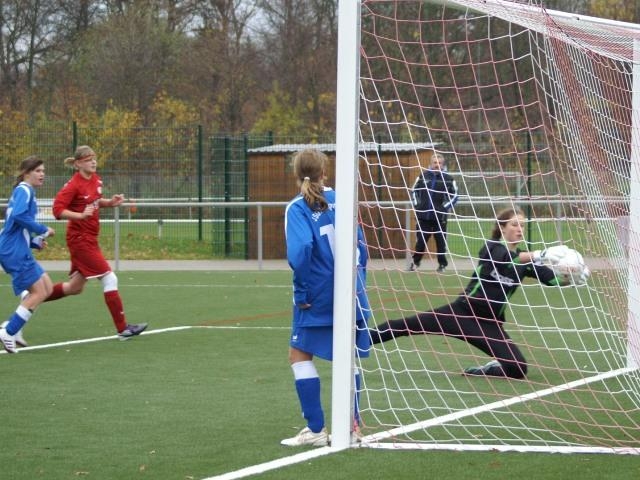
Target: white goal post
column 497, row 86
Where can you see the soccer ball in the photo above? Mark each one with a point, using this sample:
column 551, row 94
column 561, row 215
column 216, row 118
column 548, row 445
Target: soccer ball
column 571, row 267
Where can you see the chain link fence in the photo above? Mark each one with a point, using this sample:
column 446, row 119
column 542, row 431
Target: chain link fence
column 188, row 164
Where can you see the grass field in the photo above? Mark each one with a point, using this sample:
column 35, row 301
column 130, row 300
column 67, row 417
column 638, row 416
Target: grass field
column 197, row 402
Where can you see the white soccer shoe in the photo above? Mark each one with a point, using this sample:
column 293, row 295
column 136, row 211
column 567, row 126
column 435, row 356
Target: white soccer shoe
column 8, row 341
column 18, row 337
column 307, row 437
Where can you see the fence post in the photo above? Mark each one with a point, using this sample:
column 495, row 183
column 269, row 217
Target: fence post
column 227, row 187
column 116, row 239
column 245, row 145
column 260, row 237
column 200, row 180
column 74, row 136
column 529, row 194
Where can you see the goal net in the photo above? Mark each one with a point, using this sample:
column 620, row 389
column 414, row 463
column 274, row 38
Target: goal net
column 530, row 109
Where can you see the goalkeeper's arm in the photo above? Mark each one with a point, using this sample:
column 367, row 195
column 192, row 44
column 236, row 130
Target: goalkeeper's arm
column 567, row 264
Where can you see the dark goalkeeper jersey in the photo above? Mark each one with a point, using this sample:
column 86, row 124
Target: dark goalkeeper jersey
column 498, row 275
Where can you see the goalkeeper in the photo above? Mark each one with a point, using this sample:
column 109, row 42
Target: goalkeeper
column 477, row 316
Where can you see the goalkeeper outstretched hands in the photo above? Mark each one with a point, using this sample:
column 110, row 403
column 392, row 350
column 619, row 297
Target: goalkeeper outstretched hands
column 567, row 263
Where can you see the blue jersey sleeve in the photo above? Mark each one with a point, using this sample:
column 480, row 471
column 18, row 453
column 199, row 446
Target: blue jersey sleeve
column 363, row 308
column 299, row 246
column 22, row 213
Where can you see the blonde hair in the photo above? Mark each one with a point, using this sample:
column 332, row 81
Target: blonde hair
column 82, row 152
column 309, row 167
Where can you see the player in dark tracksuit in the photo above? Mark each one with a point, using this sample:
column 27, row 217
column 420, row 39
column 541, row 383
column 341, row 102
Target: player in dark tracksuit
column 477, row 316
column 434, row 194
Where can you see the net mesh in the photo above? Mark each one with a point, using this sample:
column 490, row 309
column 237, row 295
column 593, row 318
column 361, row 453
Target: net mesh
column 530, row 110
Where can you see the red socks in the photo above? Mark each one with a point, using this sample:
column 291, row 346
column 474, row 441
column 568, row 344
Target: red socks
column 114, row 303
column 56, row 293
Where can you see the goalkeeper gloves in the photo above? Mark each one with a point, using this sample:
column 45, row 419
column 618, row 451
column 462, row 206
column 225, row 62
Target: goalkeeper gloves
column 582, row 278
column 551, row 255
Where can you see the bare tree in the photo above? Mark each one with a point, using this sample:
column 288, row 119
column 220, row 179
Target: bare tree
column 221, row 62
column 127, row 60
column 299, row 41
column 25, row 37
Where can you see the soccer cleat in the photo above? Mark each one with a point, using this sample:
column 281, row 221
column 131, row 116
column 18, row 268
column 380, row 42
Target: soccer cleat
column 441, row 269
column 8, row 341
column 18, row 337
column 307, row 437
column 413, row 267
column 132, row 330
column 492, row 368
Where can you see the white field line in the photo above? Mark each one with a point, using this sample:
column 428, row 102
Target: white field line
column 373, row 441
column 209, row 286
column 494, row 405
column 273, row 464
column 503, row 448
column 148, row 332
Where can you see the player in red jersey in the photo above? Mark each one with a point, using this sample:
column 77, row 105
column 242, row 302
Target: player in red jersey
column 79, row 201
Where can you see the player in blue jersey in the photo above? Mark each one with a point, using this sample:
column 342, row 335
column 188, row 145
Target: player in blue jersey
column 20, row 234
column 310, row 233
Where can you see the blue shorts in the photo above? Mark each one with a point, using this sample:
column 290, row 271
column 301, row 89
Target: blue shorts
column 23, row 274
column 318, row 341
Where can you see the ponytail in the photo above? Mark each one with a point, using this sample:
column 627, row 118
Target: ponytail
column 309, row 167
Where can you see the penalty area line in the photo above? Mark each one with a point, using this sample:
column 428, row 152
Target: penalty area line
column 95, row 339
column 147, row 332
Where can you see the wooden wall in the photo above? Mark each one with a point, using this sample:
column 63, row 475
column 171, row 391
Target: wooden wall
column 383, row 179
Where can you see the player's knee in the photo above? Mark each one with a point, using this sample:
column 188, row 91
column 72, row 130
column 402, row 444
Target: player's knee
column 109, row 282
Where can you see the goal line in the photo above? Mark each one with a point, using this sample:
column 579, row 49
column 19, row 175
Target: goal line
column 376, row 440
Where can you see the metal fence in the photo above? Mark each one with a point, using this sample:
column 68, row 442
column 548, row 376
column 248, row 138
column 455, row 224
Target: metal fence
column 198, row 190
column 193, row 230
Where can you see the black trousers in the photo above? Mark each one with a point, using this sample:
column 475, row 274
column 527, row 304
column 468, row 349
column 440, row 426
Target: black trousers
column 437, row 229
column 458, row 320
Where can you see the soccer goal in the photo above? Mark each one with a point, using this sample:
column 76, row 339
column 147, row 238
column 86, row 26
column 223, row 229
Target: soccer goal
column 533, row 109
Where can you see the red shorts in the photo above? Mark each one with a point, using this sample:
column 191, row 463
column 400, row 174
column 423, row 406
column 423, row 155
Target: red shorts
column 87, row 258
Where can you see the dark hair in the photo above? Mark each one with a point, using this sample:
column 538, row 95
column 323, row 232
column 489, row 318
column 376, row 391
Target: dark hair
column 27, row 165
column 309, row 167
column 503, row 217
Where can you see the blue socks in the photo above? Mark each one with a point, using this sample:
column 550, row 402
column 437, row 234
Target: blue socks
column 309, row 395
column 308, row 389
column 18, row 319
column 356, row 403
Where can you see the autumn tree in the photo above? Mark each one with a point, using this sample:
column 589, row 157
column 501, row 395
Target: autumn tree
column 221, row 61
column 299, row 44
column 25, row 37
column 127, row 60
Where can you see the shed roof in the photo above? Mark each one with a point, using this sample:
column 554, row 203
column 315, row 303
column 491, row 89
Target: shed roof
column 331, row 147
